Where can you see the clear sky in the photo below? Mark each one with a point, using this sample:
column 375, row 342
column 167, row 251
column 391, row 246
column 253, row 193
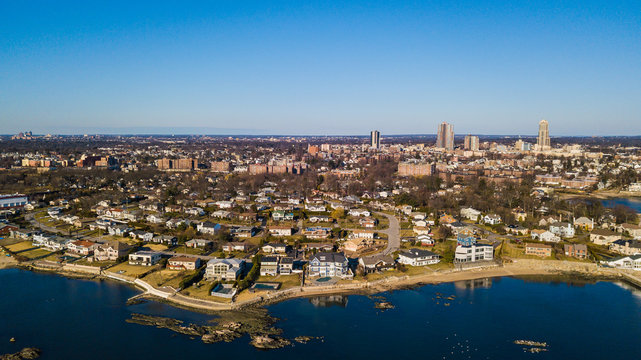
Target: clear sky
column 307, row 67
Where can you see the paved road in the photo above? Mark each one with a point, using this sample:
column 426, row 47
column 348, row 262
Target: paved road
column 37, row 224
column 393, row 233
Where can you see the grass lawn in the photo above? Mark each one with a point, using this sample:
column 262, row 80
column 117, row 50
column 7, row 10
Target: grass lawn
column 512, row 251
column 156, row 247
column 17, row 247
column 287, row 281
column 94, row 263
column 182, row 249
column 35, row 254
column 131, row 270
column 202, row 292
column 166, row 277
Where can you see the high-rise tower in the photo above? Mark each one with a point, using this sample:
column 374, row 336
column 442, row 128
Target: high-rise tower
column 375, row 139
column 445, row 136
column 543, row 142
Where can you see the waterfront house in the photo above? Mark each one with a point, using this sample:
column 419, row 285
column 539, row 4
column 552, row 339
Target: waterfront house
column 50, row 242
column 626, row 247
column 604, row 236
column 632, row 262
column 181, row 262
column 328, row 264
column 144, row 258
column 472, row 253
column 224, row 269
column 418, row 257
column 579, row 251
column 286, row 265
column 269, row 265
column 536, row 249
column 81, row 247
column 110, row 251
column 376, row 263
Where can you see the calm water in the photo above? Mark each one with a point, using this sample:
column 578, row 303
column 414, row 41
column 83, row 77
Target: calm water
column 634, row 203
column 79, row 319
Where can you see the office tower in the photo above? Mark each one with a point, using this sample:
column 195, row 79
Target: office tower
column 471, row 143
column 445, row 136
column 543, row 141
column 375, row 139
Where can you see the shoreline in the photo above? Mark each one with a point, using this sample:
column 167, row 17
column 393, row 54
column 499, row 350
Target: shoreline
column 520, row 267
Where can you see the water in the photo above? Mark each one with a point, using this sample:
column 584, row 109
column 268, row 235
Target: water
column 81, row 319
column 634, row 203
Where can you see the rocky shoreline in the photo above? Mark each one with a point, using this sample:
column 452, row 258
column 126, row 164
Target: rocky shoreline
column 227, row 326
column 24, row 354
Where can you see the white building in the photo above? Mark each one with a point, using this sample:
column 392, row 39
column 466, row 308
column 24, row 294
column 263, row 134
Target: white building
column 13, row 201
column 626, row 262
column 562, row 229
column 144, row 258
column 224, row 269
column 470, row 214
column 418, row 257
column 472, row 253
column 329, row 264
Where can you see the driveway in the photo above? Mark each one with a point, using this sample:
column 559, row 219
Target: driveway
column 393, row 233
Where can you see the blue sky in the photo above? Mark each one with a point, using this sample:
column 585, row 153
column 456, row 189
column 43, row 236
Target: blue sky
column 307, row 67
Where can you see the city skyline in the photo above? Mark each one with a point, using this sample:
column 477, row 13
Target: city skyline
column 318, row 69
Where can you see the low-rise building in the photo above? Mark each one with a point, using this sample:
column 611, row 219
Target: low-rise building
column 562, row 229
column 472, row 253
column 632, row 262
column 604, row 236
column 224, row 269
column 144, row 258
column 418, row 257
column 269, row 265
column 626, row 247
column 81, row 247
column 536, row 249
column 579, row 251
column 329, row 264
column 182, row 262
column 199, row 243
column 110, row 251
column 286, row 265
column 376, row 263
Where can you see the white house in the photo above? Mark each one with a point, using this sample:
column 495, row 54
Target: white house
column 359, row 212
column 144, row 258
column 562, row 229
column 626, row 262
column 470, row 214
column 492, row 219
column 224, row 269
column 208, row 227
column 329, row 264
column 544, row 235
column 418, row 257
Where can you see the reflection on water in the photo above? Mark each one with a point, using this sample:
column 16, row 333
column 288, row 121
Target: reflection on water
column 484, row 283
column 327, row 301
column 574, row 280
column 631, row 288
